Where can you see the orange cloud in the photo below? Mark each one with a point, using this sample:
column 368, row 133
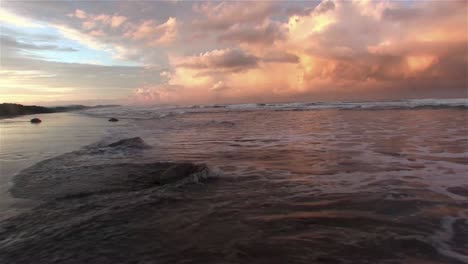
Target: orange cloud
column 221, row 16
column 153, row 33
column 116, row 21
column 267, row 50
column 338, row 48
column 420, row 63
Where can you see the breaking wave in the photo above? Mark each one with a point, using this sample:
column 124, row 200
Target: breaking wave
column 102, row 168
column 157, row 112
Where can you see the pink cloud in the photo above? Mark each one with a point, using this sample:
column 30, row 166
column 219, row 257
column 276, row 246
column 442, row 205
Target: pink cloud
column 339, row 47
column 153, row 33
column 223, row 15
column 116, row 21
column 266, row 32
column 237, row 50
column 79, row 14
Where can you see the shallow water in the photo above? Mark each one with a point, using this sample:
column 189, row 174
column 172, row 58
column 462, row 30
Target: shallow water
column 23, row 144
column 375, row 168
column 336, row 186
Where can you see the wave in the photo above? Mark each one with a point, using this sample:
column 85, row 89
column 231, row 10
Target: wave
column 103, row 168
column 405, row 104
column 147, row 218
column 157, row 112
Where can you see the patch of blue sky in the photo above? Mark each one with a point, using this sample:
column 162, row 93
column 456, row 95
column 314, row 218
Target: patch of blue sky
column 49, row 35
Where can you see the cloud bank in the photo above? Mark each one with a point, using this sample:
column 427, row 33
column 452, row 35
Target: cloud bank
column 222, row 52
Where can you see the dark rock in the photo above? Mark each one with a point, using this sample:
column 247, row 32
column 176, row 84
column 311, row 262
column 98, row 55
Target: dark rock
column 36, row 120
column 113, row 119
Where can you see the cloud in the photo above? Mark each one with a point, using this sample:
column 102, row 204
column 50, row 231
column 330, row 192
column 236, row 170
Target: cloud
column 78, row 14
column 218, row 60
column 9, row 42
column 82, row 81
column 223, row 15
column 235, row 51
column 219, row 87
column 265, row 33
column 11, row 18
column 116, row 21
column 337, row 49
column 157, row 94
column 85, row 39
column 121, row 37
column 281, row 57
column 324, row 7
column 29, row 36
column 358, row 43
column 91, row 21
column 153, row 33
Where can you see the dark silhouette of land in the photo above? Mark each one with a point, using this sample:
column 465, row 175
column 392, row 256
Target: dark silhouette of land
column 10, row 110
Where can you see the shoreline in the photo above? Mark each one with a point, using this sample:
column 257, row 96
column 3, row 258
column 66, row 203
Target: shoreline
column 16, row 110
column 16, row 116
column 24, row 145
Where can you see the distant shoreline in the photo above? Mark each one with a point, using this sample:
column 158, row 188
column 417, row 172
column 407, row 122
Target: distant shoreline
column 8, row 110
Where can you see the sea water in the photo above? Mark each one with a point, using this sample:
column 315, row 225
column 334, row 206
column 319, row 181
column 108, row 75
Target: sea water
column 304, row 182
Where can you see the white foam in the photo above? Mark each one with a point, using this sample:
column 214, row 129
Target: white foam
column 441, row 240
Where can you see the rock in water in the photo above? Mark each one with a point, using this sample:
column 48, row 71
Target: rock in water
column 113, row 119
column 36, row 120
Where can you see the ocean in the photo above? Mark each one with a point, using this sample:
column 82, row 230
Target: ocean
column 344, row 182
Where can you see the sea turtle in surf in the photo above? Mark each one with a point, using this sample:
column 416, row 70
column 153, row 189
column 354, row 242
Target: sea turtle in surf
column 36, row 120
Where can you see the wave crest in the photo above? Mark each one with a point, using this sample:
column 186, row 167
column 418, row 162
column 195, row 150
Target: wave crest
column 157, row 112
column 85, row 172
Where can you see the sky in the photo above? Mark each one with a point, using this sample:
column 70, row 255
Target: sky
column 196, row 52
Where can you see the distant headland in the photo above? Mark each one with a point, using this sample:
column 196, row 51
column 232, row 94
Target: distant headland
column 10, row 110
